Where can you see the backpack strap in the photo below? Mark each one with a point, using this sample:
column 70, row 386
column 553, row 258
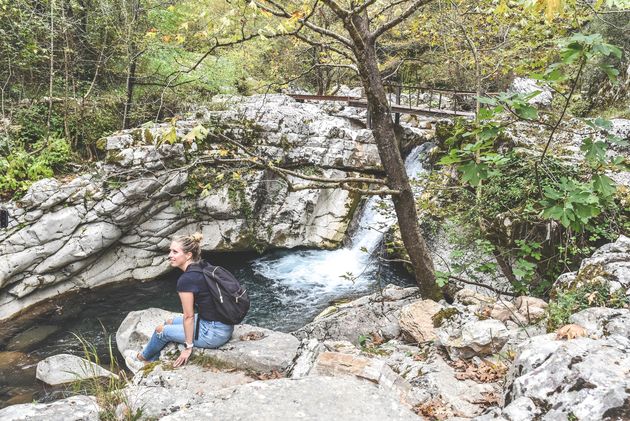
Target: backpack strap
column 196, row 267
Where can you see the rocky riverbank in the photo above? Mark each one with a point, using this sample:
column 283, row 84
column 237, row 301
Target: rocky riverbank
column 114, row 222
column 393, row 355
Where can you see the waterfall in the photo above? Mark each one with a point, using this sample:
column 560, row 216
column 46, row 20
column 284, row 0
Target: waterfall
column 305, row 277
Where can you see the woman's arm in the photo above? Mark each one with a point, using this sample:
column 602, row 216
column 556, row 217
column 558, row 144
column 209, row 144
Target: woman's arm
column 188, row 308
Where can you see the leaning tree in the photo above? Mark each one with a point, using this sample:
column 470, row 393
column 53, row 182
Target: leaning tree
column 354, row 40
column 347, row 34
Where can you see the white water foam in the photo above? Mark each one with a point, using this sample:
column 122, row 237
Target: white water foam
column 308, row 274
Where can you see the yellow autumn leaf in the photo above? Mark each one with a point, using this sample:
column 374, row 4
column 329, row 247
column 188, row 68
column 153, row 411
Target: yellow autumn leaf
column 223, row 152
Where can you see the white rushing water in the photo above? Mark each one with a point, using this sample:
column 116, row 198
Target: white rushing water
column 306, row 276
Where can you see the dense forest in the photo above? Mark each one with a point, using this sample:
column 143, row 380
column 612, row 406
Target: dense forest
column 73, row 71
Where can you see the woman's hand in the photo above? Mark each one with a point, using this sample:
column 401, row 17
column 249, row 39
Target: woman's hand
column 183, row 357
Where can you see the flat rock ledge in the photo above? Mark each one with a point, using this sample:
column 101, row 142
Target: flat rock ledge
column 311, row 398
column 83, row 408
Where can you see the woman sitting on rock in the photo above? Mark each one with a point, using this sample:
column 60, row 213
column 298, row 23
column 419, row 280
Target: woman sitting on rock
column 192, row 290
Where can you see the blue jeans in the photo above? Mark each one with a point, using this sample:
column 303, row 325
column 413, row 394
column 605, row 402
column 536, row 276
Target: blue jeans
column 211, row 335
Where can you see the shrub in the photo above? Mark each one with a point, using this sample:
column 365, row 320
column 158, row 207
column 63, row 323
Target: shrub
column 573, row 300
column 20, row 168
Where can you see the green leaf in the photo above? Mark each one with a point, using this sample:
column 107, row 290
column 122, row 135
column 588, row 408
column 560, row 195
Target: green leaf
column 473, row 173
column 603, row 123
column 449, row 159
column 595, row 151
column 441, row 278
column 604, row 185
column 485, row 114
column 527, row 112
column 487, row 100
column 610, row 71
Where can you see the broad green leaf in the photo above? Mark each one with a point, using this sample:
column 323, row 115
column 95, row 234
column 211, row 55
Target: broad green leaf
column 527, row 112
column 610, row 71
column 603, row 123
column 487, row 100
column 595, row 151
column 473, row 173
column 604, row 185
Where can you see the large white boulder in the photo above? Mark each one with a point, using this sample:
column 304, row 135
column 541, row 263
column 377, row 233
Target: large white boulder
column 66, row 368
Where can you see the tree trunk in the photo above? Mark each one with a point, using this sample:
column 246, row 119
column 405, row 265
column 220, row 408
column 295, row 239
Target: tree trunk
column 391, row 159
column 131, row 78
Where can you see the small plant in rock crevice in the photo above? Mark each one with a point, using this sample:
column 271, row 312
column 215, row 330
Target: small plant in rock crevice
column 108, row 391
column 572, row 300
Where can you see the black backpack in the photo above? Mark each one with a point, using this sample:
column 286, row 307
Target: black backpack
column 230, row 298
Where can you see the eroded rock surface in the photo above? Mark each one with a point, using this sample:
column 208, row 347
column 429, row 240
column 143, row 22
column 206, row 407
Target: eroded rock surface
column 585, row 378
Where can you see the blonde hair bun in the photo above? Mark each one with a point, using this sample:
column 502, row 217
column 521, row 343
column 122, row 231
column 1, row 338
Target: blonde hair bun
column 197, row 237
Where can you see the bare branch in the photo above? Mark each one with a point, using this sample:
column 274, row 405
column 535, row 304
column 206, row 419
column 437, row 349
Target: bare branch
column 259, row 161
column 397, row 20
column 337, row 9
column 469, row 282
column 282, row 12
column 359, row 9
column 387, row 7
column 343, row 66
column 327, row 46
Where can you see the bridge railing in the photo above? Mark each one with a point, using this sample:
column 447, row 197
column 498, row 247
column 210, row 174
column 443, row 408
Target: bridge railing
column 416, row 96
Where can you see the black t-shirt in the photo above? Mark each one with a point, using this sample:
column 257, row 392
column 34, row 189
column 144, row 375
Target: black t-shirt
column 194, row 282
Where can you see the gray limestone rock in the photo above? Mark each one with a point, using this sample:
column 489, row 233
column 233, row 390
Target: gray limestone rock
column 114, row 224
column 136, row 329
column 66, row 368
column 526, row 86
column 473, row 338
column 601, row 322
column 76, row 408
column 309, row 398
column 369, row 314
column 258, row 349
column 434, row 380
column 610, row 264
column 582, row 379
column 251, row 348
column 161, row 392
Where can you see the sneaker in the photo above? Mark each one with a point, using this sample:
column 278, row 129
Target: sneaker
column 132, row 361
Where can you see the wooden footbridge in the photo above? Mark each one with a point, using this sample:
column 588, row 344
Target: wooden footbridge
column 413, row 100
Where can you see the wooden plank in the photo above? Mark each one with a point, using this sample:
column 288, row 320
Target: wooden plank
column 305, row 97
column 362, row 103
column 417, row 110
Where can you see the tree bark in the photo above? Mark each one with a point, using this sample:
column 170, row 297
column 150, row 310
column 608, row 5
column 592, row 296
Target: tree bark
column 131, row 78
column 391, row 158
